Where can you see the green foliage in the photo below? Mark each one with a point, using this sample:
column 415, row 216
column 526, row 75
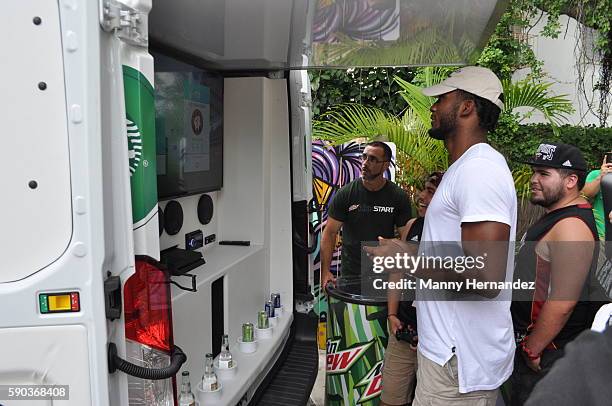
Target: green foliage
column 505, row 53
column 592, row 13
column 518, row 142
column 373, row 87
column 419, row 154
column 535, row 95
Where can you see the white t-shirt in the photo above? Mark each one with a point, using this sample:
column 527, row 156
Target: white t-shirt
column 477, row 187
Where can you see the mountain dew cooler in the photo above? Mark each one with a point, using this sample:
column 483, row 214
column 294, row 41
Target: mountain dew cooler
column 356, row 341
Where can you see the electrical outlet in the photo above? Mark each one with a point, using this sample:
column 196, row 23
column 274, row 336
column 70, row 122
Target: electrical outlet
column 209, row 239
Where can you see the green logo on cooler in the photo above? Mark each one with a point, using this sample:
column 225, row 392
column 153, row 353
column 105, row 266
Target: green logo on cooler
column 134, row 146
column 140, row 130
column 356, row 341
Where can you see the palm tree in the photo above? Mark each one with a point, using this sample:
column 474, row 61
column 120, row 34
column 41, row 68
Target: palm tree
column 419, row 154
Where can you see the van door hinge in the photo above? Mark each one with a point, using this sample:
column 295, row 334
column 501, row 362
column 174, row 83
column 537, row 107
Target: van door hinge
column 130, row 24
column 112, row 297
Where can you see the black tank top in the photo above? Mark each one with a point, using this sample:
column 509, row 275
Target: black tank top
column 525, row 312
column 406, row 311
column 414, row 234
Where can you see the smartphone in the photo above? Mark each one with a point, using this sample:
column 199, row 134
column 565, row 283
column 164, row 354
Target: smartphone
column 609, row 157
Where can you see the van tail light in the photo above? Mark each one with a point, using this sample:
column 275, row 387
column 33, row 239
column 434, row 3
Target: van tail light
column 148, row 332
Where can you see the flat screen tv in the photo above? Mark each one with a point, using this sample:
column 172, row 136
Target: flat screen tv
column 188, row 127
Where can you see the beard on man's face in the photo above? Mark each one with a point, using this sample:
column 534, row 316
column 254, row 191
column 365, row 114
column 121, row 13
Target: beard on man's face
column 548, row 197
column 447, row 124
column 370, row 175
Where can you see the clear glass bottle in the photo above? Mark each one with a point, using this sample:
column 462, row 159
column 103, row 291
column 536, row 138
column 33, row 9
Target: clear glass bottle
column 226, row 360
column 186, row 398
column 209, row 380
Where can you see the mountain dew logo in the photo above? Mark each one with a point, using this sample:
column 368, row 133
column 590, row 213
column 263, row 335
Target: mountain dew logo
column 134, row 145
column 338, row 362
column 372, row 382
column 140, row 129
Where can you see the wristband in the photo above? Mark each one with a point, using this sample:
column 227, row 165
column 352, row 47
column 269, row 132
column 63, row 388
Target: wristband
column 392, row 314
column 527, row 351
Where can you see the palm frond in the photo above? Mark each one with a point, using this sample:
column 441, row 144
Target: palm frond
column 346, row 122
column 522, row 178
column 534, row 95
column 417, row 101
column 419, row 153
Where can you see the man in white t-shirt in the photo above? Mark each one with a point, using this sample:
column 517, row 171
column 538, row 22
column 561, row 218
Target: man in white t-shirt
column 466, row 347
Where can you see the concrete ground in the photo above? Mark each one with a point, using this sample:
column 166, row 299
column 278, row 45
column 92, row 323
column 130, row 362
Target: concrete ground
column 317, row 396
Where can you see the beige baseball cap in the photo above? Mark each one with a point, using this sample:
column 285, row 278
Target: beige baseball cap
column 472, row 79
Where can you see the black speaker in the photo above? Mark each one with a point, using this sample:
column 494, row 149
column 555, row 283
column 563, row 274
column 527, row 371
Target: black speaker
column 173, row 217
column 205, row 209
column 160, row 220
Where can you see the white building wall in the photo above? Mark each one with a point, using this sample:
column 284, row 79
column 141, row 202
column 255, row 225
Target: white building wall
column 560, row 57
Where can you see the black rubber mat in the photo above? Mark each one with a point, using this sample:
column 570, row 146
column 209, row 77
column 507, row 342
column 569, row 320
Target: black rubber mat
column 296, row 371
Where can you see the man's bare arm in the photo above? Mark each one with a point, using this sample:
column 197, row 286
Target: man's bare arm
column 328, row 243
column 405, row 229
column 571, row 252
column 488, row 240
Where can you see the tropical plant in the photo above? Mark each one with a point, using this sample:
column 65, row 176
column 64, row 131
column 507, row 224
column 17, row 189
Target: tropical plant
column 533, row 95
column 419, row 153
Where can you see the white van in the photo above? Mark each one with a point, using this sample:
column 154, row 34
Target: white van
column 138, row 135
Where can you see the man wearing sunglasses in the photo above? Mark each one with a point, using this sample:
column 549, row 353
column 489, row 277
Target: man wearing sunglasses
column 366, row 208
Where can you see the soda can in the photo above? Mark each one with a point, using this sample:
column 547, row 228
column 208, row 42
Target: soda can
column 275, row 297
column 269, row 309
column 262, row 320
column 247, row 332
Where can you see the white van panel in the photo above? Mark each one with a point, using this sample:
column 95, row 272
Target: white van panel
column 37, row 221
column 54, row 355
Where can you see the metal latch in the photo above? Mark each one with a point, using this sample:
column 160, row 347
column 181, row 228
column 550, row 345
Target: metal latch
column 112, row 297
column 130, row 24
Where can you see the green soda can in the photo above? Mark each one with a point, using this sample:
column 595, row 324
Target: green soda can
column 247, row 332
column 262, row 320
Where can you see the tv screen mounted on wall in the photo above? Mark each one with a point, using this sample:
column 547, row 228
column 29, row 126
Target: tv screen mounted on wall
column 188, row 127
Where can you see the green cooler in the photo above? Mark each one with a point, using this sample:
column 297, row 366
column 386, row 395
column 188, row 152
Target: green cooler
column 356, row 341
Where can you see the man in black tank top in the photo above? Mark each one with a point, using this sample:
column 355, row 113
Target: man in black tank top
column 559, row 254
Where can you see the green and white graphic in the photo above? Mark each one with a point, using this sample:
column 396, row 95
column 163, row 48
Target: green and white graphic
column 140, row 132
column 134, row 145
column 356, row 341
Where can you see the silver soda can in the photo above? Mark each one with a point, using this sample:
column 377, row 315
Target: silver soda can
column 269, row 308
column 247, row 332
column 262, row 320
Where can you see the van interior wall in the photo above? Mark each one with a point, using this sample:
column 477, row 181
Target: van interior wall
column 254, row 205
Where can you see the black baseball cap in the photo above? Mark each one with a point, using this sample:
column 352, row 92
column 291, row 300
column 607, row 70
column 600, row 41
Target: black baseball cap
column 560, row 156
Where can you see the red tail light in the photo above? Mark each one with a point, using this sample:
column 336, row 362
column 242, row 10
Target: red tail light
column 148, row 309
column 148, row 333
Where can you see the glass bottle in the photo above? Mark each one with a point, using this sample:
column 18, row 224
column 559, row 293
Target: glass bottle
column 225, row 358
column 186, row 398
column 209, row 380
